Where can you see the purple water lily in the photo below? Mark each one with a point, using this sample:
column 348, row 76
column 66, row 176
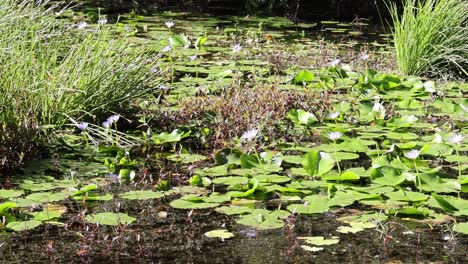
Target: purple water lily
column 83, row 126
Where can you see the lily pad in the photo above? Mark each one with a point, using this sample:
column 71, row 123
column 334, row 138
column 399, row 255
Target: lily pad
column 111, row 219
column 23, row 225
column 141, row 195
column 320, row 240
column 220, row 233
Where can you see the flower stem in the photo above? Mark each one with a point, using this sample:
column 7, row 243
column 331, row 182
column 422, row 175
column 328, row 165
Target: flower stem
column 336, row 157
column 417, row 175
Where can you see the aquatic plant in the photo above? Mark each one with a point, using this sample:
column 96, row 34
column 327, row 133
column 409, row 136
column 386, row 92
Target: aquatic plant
column 52, row 71
column 431, row 37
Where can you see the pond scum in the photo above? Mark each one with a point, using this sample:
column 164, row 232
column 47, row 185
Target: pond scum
column 261, row 141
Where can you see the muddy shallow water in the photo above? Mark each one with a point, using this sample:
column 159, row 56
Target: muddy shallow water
column 178, row 237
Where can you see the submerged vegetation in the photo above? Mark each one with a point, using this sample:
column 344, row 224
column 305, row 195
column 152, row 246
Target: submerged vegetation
column 205, row 139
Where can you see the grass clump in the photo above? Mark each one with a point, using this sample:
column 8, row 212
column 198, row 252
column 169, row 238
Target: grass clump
column 52, row 71
column 431, row 37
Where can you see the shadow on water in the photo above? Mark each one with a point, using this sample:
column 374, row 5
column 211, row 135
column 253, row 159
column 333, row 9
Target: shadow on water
column 166, row 235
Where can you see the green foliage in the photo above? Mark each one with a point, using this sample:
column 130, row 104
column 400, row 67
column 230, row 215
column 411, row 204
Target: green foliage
column 52, row 71
column 431, row 37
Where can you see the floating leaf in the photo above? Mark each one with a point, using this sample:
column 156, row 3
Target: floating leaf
column 304, row 76
column 220, row 233
column 313, row 249
column 320, row 240
column 461, row 228
column 186, row 158
column 46, row 197
column 264, row 219
column 317, row 163
column 23, row 225
column 407, row 196
column 387, row 176
column 185, row 204
column 5, row 194
column 301, row 117
column 112, row 219
column 234, row 210
column 141, row 195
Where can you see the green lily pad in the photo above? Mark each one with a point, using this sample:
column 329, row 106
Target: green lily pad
column 5, row 194
column 407, row 196
column 220, row 233
column 234, row 210
column 46, row 197
column 461, row 228
column 320, row 240
column 141, row 195
column 317, row 163
column 264, row 219
column 312, row 249
column 186, row 158
column 387, row 176
column 185, row 204
column 111, row 219
column 23, row 225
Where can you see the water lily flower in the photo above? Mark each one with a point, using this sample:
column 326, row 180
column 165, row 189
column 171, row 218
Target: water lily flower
column 170, row 24
column 364, row 56
column 437, row 138
column 106, row 124
column 456, row 138
column 167, row 48
column 334, row 115
column 113, row 118
column 237, row 48
column 410, row 177
column 334, row 63
column 192, row 58
column 412, row 154
column 249, row 135
column 334, row 135
column 429, row 87
column 81, row 25
column 102, row 21
column 83, row 126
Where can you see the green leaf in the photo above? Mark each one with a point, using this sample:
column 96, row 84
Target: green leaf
column 317, row 163
column 231, row 180
column 387, row 176
column 407, row 196
column 174, row 136
column 186, row 158
column 436, row 149
column 320, row 240
column 185, row 204
column 23, row 225
column 315, row 204
column 46, row 215
column 312, row 249
column 6, row 206
column 264, row 219
column 444, row 204
column 111, row 219
column 461, row 228
column 353, row 146
column 220, row 233
column 88, row 188
column 46, row 197
column 304, row 76
column 234, row 210
column 141, row 195
column 402, row 122
column 301, row 117
column 5, row 194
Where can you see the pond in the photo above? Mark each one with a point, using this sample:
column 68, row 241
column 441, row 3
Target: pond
column 365, row 171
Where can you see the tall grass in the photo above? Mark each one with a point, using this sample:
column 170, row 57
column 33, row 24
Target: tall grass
column 51, row 70
column 431, row 37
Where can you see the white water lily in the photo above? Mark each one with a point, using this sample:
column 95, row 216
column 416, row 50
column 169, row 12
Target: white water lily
column 437, row 139
column 81, row 25
column 334, row 135
column 334, row 62
column 412, row 154
column 249, row 135
column 429, row 87
column 236, row 48
column 167, row 48
column 410, row 177
column 334, row 115
column 456, row 138
column 169, row 24
column 102, row 21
